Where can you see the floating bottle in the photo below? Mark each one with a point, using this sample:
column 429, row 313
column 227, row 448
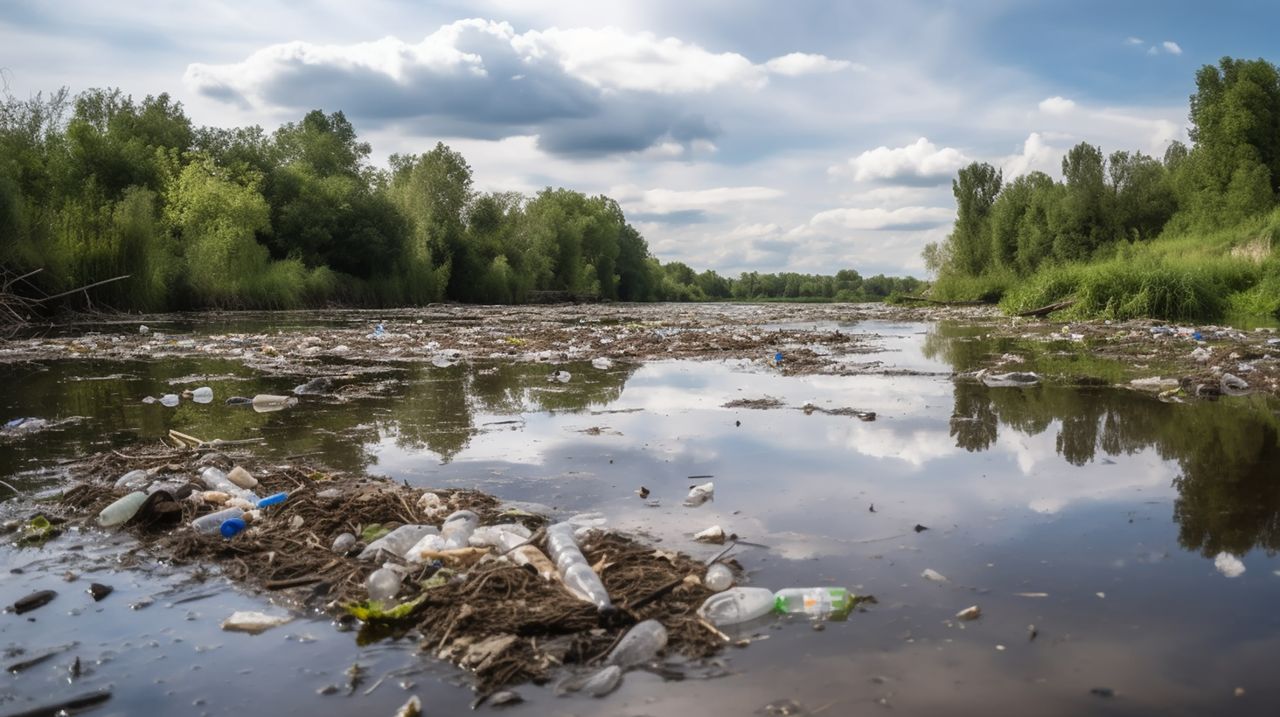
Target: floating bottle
column 737, row 605
column 575, row 573
column 169, row 400
column 212, row 523
column 204, row 394
column 815, row 602
column 457, row 529
column 119, row 512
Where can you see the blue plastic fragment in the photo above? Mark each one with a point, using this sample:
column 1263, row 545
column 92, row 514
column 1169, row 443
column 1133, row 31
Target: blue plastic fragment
column 274, row 499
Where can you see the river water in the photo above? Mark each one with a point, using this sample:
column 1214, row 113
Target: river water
column 1137, row 537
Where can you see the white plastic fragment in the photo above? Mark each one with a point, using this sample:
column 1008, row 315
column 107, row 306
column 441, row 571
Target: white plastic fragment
column 253, row 622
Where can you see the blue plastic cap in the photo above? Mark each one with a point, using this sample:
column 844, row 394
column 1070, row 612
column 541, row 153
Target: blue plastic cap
column 778, row 357
column 274, row 499
column 232, row 526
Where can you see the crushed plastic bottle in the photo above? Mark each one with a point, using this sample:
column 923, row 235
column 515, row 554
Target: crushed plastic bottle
column 737, row 605
column 457, row 529
column 211, row 524
column 119, row 512
column 429, row 543
column 204, row 394
column 398, row 541
column 505, row 537
column 216, row 479
column 266, row 403
column 383, row 584
column 815, row 602
column 575, row 573
column 640, row 645
column 700, row 494
column 718, row 578
column 169, row 400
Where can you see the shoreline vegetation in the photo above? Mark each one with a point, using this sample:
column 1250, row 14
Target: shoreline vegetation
column 1189, row 237
column 99, row 186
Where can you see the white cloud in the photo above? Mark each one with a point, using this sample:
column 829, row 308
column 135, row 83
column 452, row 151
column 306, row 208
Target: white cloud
column 1056, row 105
column 669, row 201
column 804, row 63
column 919, row 162
column 1036, row 155
column 1131, row 40
column 1171, row 47
column 877, row 218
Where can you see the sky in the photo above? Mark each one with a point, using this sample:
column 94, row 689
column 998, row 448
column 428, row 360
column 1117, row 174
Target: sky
column 738, row 135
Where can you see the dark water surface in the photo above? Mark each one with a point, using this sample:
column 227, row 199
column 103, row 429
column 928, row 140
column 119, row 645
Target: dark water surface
column 1149, row 528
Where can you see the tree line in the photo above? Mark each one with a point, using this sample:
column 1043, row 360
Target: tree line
column 1228, row 176
column 99, row 185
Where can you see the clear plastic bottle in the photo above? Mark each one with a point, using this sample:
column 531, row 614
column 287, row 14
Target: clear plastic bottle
column 169, row 400
column 815, row 602
column 457, row 529
column 204, row 394
column 132, row 480
column 212, row 523
column 576, row 574
column 429, row 542
column 119, row 512
column 718, row 578
column 383, row 584
column 217, row 480
column 398, row 541
column 641, row 644
column 737, row 605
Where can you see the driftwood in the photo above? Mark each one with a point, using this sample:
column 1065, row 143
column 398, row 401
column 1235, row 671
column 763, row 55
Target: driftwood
column 17, row 308
column 1048, row 309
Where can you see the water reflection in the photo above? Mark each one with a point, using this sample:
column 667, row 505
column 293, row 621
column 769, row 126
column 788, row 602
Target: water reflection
column 1228, row 452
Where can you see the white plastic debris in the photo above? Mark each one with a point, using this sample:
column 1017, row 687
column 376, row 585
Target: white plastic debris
column 714, row 534
column 973, row 612
column 934, row 575
column 700, row 494
column 253, row 622
column 603, row 363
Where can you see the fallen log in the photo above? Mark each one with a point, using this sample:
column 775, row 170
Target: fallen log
column 1046, row 310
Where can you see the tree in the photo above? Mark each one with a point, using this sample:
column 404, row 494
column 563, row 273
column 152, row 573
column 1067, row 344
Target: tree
column 975, row 190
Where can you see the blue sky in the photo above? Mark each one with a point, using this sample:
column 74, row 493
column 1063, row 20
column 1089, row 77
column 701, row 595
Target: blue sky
column 738, row 135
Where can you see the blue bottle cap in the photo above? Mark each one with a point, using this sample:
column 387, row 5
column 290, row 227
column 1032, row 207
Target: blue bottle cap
column 273, row 499
column 231, row 527
column 777, row 357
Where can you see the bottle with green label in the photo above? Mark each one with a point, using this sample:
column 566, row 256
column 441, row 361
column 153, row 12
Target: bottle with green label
column 815, row 602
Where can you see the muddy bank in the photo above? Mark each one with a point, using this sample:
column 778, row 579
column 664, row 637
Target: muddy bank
column 504, row 623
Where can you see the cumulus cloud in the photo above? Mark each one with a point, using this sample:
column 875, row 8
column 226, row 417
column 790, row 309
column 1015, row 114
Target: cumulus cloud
column 1036, row 155
column 1171, row 47
column 582, row 91
column 803, row 63
column 1056, row 105
column 878, row 218
column 919, row 163
column 686, row 206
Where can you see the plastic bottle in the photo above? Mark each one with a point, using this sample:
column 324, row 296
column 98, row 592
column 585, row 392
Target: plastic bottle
column 576, row 574
column 232, row 527
column 217, row 480
column 430, row 541
column 266, row 403
column 212, row 523
column 718, row 578
column 457, row 529
column 344, row 543
column 273, row 499
column 119, row 512
column 132, row 480
column 700, row 494
column 397, row 541
column 242, row 478
column 382, row 584
column 641, row 644
column 169, row 400
column 204, row 394
column 816, row 602
column 737, row 605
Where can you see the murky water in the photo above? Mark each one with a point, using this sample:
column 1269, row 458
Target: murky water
column 1137, row 537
